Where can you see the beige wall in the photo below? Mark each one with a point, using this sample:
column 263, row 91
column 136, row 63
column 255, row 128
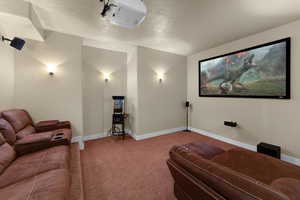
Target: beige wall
column 160, row 105
column 97, row 94
column 272, row 121
column 46, row 97
column 7, row 77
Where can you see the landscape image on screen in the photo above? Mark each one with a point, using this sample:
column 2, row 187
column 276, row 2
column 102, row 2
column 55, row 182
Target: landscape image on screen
column 257, row 72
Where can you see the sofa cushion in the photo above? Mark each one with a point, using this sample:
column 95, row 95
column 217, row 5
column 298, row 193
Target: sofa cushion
column 8, row 131
column 51, row 185
column 2, row 139
column 19, row 119
column 28, row 130
column 288, row 186
column 7, row 155
column 35, row 163
column 258, row 166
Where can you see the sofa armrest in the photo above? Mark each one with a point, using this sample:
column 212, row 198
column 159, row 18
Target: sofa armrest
column 47, row 123
column 34, row 138
column 52, row 125
column 32, row 143
column 44, row 126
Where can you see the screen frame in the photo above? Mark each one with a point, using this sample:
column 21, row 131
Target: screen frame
column 288, row 71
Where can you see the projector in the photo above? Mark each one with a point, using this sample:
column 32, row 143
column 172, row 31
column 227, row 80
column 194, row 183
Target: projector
column 125, row 13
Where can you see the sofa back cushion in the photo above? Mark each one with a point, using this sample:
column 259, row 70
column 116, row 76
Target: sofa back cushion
column 7, row 155
column 7, row 131
column 226, row 182
column 18, row 118
column 261, row 167
column 288, row 186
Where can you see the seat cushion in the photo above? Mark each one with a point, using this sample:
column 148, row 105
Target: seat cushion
column 258, row 166
column 7, row 131
column 7, row 155
column 19, row 119
column 28, row 130
column 35, row 163
column 51, row 185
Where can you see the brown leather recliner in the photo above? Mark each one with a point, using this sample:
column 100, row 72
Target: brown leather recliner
column 20, row 131
column 206, row 172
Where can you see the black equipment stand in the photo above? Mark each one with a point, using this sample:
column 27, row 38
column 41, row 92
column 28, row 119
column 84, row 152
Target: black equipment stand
column 118, row 117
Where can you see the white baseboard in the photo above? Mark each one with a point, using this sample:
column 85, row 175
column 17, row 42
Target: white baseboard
column 79, row 140
column 76, row 139
column 284, row 157
column 155, row 134
column 94, row 137
column 81, row 145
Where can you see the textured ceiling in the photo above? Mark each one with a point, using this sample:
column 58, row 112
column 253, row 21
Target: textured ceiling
column 178, row 26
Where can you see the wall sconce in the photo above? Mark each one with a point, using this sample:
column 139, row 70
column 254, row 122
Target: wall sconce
column 160, row 77
column 106, row 76
column 51, row 69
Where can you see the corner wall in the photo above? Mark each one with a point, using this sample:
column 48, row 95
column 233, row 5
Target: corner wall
column 46, row 97
column 160, row 105
column 97, row 94
column 132, row 90
column 260, row 120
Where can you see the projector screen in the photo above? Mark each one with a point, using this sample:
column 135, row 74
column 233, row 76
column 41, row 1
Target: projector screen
column 258, row 72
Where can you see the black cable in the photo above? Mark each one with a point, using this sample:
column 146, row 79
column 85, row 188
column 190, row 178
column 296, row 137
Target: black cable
column 5, row 39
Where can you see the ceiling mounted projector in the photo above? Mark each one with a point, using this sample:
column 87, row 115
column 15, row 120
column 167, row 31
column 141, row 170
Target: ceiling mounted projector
column 124, row 13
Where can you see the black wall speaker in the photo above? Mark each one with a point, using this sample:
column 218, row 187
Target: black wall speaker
column 187, row 104
column 269, row 149
column 17, row 43
column 230, row 124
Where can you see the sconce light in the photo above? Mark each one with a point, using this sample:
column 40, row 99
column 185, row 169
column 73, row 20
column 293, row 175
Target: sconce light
column 51, row 69
column 160, row 77
column 106, row 76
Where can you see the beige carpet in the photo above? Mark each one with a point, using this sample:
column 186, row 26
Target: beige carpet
column 132, row 170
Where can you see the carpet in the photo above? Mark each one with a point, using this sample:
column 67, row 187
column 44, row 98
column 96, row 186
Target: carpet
column 76, row 189
column 132, row 170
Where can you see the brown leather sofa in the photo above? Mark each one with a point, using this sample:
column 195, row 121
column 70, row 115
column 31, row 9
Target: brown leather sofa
column 20, row 131
column 20, row 122
column 37, row 173
column 206, row 172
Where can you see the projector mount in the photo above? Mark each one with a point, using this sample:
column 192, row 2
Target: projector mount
column 107, row 7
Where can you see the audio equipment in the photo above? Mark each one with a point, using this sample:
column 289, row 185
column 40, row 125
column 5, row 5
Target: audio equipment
column 230, row 124
column 16, row 42
column 187, row 105
column 269, row 149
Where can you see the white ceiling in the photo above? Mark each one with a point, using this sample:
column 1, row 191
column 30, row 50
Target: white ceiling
column 178, row 26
